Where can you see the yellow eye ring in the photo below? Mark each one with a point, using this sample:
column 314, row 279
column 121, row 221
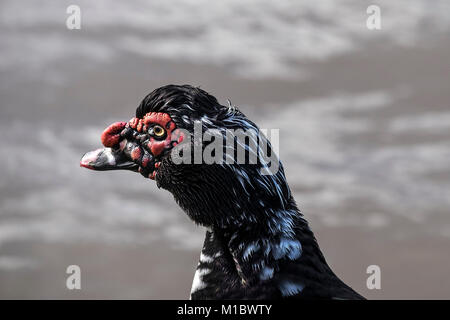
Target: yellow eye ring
column 159, row 131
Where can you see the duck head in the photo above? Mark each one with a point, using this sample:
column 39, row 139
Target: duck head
column 220, row 194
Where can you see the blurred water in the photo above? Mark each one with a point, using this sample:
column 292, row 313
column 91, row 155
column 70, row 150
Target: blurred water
column 364, row 117
column 252, row 38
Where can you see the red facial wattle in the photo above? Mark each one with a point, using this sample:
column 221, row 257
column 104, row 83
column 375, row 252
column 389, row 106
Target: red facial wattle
column 130, row 145
column 155, row 146
column 111, row 136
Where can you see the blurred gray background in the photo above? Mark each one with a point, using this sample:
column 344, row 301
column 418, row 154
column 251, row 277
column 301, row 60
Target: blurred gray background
column 365, row 136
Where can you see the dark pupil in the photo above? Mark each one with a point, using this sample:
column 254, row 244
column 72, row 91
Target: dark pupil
column 158, row 130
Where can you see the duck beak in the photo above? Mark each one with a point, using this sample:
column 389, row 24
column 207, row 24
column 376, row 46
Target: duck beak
column 112, row 157
column 107, row 159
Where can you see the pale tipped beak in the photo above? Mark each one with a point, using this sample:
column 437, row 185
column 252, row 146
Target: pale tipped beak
column 107, row 159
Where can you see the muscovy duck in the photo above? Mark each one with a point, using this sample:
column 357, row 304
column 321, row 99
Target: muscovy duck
column 258, row 244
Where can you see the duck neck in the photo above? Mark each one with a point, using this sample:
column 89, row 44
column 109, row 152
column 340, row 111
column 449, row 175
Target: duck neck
column 250, row 257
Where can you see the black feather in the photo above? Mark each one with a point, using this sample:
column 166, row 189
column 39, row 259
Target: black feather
column 259, row 245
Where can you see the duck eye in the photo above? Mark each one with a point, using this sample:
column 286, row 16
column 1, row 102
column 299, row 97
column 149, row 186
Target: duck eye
column 158, row 131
